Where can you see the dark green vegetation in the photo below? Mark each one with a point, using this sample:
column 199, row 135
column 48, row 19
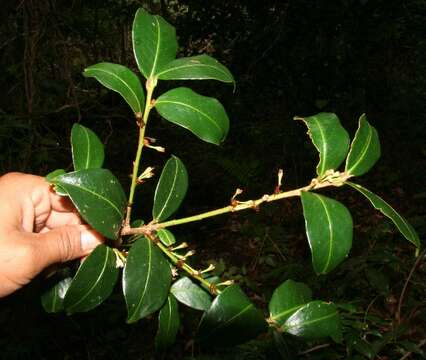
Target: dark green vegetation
column 382, row 316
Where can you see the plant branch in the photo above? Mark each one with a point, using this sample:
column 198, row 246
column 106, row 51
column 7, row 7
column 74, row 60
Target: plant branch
column 181, row 264
column 142, row 122
column 238, row 205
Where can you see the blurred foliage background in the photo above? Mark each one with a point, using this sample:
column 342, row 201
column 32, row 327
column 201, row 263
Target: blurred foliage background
column 288, row 58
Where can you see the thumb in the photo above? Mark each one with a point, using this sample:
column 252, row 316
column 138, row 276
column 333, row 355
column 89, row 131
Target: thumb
column 67, row 243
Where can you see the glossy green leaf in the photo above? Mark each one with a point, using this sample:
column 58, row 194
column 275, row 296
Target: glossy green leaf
column 200, row 67
column 315, row 320
column 120, row 79
column 205, row 117
column 191, row 294
column 168, row 324
column 53, row 299
column 93, row 282
column 170, row 190
column 146, row 279
column 330, row 139
column 154, row 42
column 166, row 237
column 98, row 197
column 329, row 229
column 287, row 299
column 232, row 319
column 365, row 149
column 403, row 225
column 54, row 174
column 50, row 178
column 87, row 149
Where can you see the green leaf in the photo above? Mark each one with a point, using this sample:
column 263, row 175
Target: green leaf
column 403, row 225
column 365, row 149
column 154, row 42
column 170, row 190
column 168, row 324
column 166, row 237
column 315, row 320
column 205, row 117
column 330, row 139
column 232, row 319
column 93, row 282
column 200, row 67
column 87, row 149
column 98, row 197
column 53, row 299
column 50, row 177
column 287, row 299
column 146, row 279
column 120, row 79
column 329, row 229
column 190, row 294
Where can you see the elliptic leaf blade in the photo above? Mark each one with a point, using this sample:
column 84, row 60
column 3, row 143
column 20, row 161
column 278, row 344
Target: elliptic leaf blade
column 287, row 299
column 154, row 42
column 329, row 229
column 146, row 279
column 170, row 190
column 330, row 139
column 53, row 299
column 98, row 197
column 205, row 117
column 166, row 237
column 190, row 294
column 403, row 225
column 93, row 282
column 365, row 149
column 200, row 67
column 168, row 324
column 314, row 320
column 119, row 79
column 87, row 149
column 232, row 319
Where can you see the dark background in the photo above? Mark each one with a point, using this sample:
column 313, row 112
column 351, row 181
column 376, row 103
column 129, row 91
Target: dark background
column 288, row 58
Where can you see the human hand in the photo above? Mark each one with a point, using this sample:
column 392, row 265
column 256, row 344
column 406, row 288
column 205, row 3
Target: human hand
column 37, row 228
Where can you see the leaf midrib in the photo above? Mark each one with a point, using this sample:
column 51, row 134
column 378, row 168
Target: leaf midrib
column 364, row 150
column 96, row 195
column 331, row 233
column 120, row 79
column 171, row 189
column 290, row 326
column 95, row 283
column 194, row 65
column 193, row 109
column 148, row 277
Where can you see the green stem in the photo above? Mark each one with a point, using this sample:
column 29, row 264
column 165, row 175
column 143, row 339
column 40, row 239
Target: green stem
column 142, row 122
column 190, row 270
column 239, row 206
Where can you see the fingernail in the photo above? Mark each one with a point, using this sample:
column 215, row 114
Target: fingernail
column 88, row 241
